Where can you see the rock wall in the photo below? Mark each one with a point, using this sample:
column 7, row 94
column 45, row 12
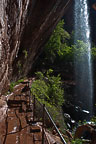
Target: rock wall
column 12, row 17
column 25, row 25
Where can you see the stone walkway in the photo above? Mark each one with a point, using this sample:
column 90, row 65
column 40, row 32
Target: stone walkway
column 16, row 128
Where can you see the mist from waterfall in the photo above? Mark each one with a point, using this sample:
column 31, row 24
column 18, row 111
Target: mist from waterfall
column 82, row 57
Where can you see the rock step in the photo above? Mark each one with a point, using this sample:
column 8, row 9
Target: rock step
column 35, row 129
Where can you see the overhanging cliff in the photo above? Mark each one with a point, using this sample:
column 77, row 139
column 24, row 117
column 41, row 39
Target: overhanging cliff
column 24, row 28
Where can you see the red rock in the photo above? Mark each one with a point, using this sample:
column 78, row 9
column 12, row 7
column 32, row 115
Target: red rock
column 86, row 131
column 25, row 26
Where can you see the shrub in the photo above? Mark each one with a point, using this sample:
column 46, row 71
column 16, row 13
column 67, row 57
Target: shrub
column 48, row 88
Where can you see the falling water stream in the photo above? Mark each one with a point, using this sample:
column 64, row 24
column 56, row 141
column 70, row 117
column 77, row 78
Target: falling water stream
column 82, row 57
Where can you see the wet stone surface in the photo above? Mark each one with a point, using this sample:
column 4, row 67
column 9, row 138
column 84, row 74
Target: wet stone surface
column 15, row 127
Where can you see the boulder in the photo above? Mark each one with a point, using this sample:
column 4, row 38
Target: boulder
column 87, row 131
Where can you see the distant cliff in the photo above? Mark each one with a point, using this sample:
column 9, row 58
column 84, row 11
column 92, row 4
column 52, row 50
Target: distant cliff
column 24, row 27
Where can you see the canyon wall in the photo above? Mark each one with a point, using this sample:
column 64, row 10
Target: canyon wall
column 25, row 25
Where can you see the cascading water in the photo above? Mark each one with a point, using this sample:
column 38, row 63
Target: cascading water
column 82, row 62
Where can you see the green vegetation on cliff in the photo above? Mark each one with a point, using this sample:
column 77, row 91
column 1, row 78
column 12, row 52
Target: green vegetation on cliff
column 48, row 88
column 61, row 50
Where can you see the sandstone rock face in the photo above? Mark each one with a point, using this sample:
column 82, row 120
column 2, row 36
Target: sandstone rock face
column 12, row 17
column 25, row 25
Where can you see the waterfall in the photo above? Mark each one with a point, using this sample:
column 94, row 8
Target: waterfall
column 82, row 57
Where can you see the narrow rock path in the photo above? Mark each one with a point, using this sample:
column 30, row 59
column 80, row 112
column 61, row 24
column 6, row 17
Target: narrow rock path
column 16, row 127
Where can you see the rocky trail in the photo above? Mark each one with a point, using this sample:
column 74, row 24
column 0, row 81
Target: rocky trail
column 16, row 127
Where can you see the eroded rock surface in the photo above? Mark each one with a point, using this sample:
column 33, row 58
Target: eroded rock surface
column 24, row 28
column 18, row 125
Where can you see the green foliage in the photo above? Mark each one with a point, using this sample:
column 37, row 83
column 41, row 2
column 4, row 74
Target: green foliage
column 93, row 120
column 57, row 115
column 77, row 141
column 66, row 52
column 54, row 111
column 57, row 42
column 25, row 53
column 13, row 84
column 40, row 89
column 39, row 75
column 19, row 65
column 93, row 52
column 48, row 88
column 61, row 49
column 80, row 50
